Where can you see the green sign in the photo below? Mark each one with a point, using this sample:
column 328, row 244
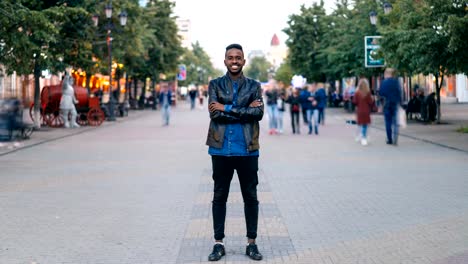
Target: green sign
column 372, row 56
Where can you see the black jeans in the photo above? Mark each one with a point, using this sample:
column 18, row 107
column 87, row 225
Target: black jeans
column 295, row 122
column 321, row 115
column 223, row 171
column 304, row 115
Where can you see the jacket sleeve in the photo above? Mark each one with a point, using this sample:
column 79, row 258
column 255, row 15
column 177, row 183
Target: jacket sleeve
column 247, row 113
column 219, row 116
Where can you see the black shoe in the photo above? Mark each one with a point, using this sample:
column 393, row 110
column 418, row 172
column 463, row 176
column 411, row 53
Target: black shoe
column 217, row 253
column 252, row 252
column 389, row 142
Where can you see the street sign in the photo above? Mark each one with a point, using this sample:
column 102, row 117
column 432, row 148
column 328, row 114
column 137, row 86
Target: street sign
column 182, row 74
column 372, row 46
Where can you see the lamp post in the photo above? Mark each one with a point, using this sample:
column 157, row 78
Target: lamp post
column 373, row 17
column 387, row 7
column 123, row 21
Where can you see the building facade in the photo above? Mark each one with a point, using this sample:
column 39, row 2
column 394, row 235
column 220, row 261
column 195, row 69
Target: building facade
column 185, row 31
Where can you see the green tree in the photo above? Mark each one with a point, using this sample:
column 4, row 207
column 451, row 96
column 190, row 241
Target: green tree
column 420, row 34
column 457, row 29
column 305, row 35
column 284, row 73
column 165, row 50
column 258, row 68
column 31, row 37
column 200, row 69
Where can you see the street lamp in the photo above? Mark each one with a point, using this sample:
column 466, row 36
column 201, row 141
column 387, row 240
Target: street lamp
column 387, row 8
column 123, row 21
column 373, row 17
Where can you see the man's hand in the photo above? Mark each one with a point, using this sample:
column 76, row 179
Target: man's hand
column 215, row 106
column 256, row 103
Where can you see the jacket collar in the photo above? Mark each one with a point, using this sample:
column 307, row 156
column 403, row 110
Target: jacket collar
column 240, row 80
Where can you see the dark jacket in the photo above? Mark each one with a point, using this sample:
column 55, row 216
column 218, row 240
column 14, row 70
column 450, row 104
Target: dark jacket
column 304, row 99
column 220, row 90
column 169, row 98
column 321, row 97
column 390, row 89
column 295, row 103
column 271, row 96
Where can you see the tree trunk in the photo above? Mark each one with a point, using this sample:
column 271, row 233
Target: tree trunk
column 127, row 89
column 141, row 100
column 88, row 81
column 135, row 88
column 117, row 92
column 438, row 88
column 37, row 96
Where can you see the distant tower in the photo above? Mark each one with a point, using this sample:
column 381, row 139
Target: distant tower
column 275, row 41
column 277, row 52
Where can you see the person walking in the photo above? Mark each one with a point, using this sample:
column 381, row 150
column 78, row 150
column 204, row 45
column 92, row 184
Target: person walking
column 305, row 103
column 321, row 97
column 312, row 111
column 390, row 90
column 295, row 108
column 193, row 96
column 235, row 107
column 364, row 102
column 165, row 98
column 281, row 109
column 271, row 94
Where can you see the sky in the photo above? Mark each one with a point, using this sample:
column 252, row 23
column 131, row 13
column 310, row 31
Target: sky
column 251, row 23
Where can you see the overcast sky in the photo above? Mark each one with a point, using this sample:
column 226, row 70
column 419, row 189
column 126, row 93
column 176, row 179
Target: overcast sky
column 251, row 23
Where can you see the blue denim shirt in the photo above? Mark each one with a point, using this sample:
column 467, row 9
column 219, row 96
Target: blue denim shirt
column 234, row 141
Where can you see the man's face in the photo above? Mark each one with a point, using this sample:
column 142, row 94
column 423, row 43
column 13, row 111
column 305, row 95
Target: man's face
column 234, row 61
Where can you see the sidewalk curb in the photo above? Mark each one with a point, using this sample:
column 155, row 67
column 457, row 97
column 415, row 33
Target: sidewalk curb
column 415, row 137
column 44, row 141
column 54, row 138
column 423, row 140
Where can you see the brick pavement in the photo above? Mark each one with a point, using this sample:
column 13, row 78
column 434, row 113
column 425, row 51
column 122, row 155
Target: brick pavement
column 324, row 199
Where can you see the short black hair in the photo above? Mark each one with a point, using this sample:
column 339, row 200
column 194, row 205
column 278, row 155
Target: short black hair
column 234, row 46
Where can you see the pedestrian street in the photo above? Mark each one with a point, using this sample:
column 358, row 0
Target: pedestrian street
column 136, row 191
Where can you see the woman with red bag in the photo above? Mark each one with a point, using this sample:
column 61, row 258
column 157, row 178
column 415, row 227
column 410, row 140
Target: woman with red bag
column 294, row 101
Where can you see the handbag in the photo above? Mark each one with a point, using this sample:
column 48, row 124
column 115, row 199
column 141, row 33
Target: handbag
column 374, row 108
column 295, row 108
column 401, row 117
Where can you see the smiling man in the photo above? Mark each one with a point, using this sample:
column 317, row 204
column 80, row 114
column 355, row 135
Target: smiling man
column 236, row 107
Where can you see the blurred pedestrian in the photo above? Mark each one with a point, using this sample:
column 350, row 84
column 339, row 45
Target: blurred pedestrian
column 271, row 94
column 236, row 107
column 431, row 107
column 201, row 97
column 281, row 108
column 364, row 103
column 312, row 111
column 295, row 107
column 165, row 99
column 193, row 96
column 305, row 103
column 390, row 90
column 321, row 97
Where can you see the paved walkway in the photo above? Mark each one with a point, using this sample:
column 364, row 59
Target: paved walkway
column 135, row 192
column 454, row 116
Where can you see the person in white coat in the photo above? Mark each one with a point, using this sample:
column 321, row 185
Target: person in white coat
column 67, row 103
